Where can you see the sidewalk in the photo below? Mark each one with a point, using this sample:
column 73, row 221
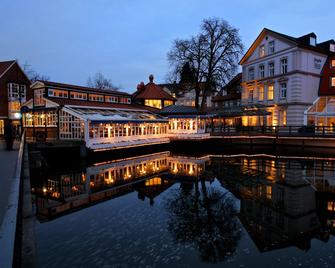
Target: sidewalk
column 7, row 169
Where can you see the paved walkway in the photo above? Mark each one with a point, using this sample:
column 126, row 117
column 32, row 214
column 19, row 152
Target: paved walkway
column 7, row 169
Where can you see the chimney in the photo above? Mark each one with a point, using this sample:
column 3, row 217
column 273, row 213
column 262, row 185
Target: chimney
column 140, row 86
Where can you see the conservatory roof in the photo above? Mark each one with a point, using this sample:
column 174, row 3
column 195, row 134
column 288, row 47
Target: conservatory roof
column 97, row 115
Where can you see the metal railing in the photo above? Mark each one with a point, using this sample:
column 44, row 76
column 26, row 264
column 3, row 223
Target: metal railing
column 277, row 131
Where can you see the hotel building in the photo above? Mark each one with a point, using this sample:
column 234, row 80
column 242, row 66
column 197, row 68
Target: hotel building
column 281, row 75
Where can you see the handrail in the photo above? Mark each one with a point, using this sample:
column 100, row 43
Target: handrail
column 9, row 223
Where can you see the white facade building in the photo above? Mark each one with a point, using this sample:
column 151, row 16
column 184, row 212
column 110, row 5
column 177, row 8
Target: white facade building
column 281, row 76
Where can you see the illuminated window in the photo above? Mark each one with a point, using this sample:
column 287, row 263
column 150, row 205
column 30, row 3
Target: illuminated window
column 261, row 71
column 153, row 182
column 261, row 93
column 262, row 51
column 58, row 93
column 96, row 97
column 270, row 92
column 14, row 106
column 168, row 103
column 2, row 126
column 38, row 97
column 333, row 63
column 78, row 96
column 330, row 206
column 332, row 81
column 268, row 192
column 153, row 103
column 111, row 99
column 282, row 115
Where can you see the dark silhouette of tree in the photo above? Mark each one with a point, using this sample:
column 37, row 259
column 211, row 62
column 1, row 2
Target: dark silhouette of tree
column 213, row 55
column 187, row 74
column 205, row 218
column 33, row 75
column 99, row 81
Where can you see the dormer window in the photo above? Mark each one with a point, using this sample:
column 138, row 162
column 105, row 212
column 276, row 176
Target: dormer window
column 312, row 41
column 332, row 47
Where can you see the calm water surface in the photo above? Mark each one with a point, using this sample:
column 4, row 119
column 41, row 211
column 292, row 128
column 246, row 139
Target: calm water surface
column 163, row 210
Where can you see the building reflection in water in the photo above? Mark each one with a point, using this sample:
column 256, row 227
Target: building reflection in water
column 283, row 201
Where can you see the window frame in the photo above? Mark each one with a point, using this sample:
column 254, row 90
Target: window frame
column 260, row 72
column 283, row 89
column 271, row 74
column 283, row 65
column 271, row 47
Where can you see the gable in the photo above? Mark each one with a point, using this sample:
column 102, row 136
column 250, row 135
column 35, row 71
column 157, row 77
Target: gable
column 263, row 39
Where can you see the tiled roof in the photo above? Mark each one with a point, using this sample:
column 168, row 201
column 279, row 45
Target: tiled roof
column 178, row 109
column 82, row 88
column 4, row 65
column 97, row 104
column 152, row 91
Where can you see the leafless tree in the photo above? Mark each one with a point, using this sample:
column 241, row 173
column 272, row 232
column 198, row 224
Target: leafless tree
column 101, row 82
column 32, row 74
column 212, row 54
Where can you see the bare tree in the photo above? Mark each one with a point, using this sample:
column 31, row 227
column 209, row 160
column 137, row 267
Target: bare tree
column 33, row 75
column 101, row 82
column 212, row 55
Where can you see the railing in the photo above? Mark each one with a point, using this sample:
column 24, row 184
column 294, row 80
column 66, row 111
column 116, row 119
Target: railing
column 277, row 131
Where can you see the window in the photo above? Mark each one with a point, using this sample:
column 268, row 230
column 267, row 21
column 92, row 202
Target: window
column 271, row 47
column 333, row 63
column 332, row 47
column 283, row 66
column 312, row 41
column 14, row 106
column 332, row 81
column 168, row 103
column 16, row 92
column 96, row 97
column 2, row 127
column 251, row 74
column 111, row 99
column 271, row 69
column 78, row 96
column 58, row 93
column 283, row 90
column 38, row 97
column 270, row 92
column 125, row 100
column 261, row 93
column 153, row 103
column 262, row 51
column 261, row 71
column 251, row 95
column 282, row 117
column 330, row 206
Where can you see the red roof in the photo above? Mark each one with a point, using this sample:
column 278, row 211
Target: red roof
column 152, row 91
column 82, row 88
column 4, row 65
column 96, row 104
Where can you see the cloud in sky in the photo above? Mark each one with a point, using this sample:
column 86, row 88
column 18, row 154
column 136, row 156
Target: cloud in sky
column 69, row 40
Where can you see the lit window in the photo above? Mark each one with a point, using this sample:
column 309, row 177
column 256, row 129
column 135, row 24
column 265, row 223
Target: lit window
column 78, row 96
column 2, row 126
column 58, row 93
column 271, row 69
column 270, row 92
column 283, row 90
column 153, row 103
column 332, row 82
column 38, row 97
column 283, row 66
column 268, row 192
column 168, row 103
column 271, row 47
column 96, row 97
column 261, row 93
column 333, row 64
column 330, row 206
column 283, row 116
column 261, row 71
column 111, row 99
column 262, row 51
